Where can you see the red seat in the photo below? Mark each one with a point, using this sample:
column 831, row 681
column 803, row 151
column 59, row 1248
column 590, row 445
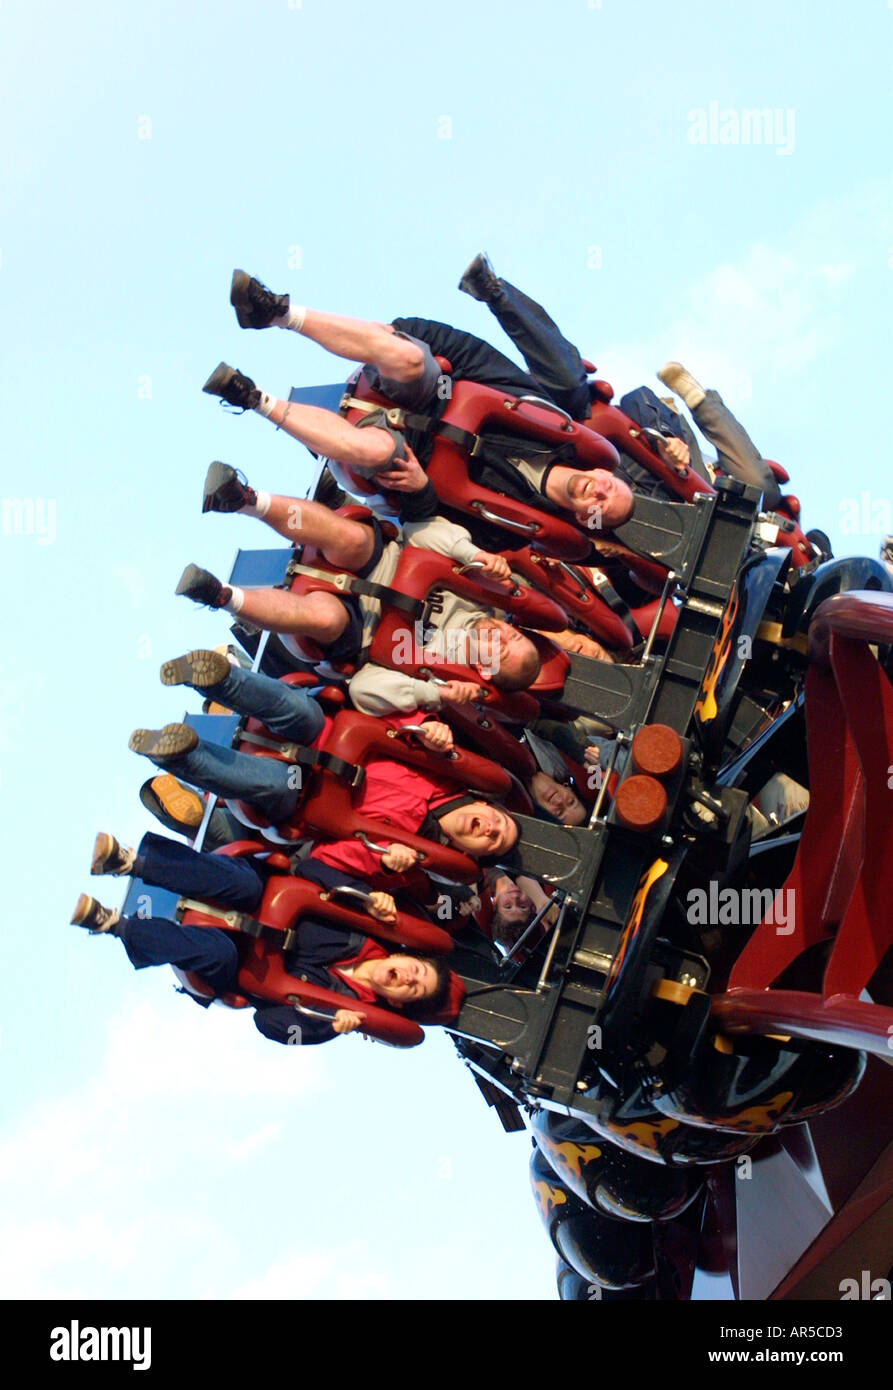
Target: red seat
column 418, row 575
column 480, row 727
column 572, row 586
column 262, row 973
column 476, row 409
column 623, row 431
column 327, row 809
column 473, row 408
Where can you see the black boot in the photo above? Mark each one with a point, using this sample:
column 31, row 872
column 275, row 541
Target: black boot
column 226, row 490
column 480, row 279
column 232, row 386
column 255, row 305
column 202, row 587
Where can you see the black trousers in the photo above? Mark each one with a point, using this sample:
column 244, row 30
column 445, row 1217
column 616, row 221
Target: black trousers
column 551, row 359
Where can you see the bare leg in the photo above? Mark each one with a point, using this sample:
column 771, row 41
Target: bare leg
column 320, row 616
column 362, row 341
column 325, row 433
column 343, row 542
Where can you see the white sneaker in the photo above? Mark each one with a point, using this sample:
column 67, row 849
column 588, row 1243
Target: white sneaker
column 674, row 375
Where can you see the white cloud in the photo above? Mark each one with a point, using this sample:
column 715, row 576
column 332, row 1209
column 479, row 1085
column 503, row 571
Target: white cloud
column 72, row 1167
column 253, row 1143
column 773, row 311
column 347, row 1272
column 837, row 274
column 131, row 579
column 770, row 312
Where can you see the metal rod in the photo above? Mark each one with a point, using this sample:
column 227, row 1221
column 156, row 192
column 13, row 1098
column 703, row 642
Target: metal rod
column 670, row 580
column 547, row 963
column 531, row 926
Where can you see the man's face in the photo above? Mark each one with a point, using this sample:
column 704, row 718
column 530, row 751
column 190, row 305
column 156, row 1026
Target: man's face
column 502, row 647
column 599, row 500
column 480, row 829
column 402, row 979
column 557, row 799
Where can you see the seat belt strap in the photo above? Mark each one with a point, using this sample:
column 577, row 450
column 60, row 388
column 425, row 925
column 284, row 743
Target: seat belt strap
column 400, row 419
column 310, row 757
column 284, row 938
column 351, row 584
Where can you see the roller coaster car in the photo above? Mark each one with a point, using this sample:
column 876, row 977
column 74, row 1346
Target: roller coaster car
column 263, row 939
column 706, row 996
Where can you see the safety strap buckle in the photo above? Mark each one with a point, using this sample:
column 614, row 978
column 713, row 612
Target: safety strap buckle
column 352, row 773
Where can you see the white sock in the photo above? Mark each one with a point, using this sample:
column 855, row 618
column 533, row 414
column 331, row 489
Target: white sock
column 236, row 599
column 258, row 508
column 266, row 405
column 293, row 318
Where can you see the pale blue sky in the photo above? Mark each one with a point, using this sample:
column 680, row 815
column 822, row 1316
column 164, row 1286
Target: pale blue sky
column 147, row 1148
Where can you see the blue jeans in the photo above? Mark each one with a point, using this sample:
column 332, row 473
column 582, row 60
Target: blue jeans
column 287, row 710
column 156, row 941
column 206, row 950
column 271, row 787
column 219, row 878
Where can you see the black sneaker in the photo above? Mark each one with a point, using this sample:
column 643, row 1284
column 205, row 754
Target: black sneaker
column 232, row 386
column 255, row 305
column 163, row 745
column 226, row 490
column 480, row 279
column 92, row 915
column 198, row 669
column 110, row 857
column 202, row 587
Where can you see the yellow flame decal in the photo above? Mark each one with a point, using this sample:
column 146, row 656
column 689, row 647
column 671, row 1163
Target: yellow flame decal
column 572, row 1156
column 706, row 707
column 547, row 1197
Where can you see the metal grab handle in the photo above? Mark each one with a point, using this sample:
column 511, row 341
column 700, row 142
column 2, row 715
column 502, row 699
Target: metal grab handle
column 479, row 565
column 346, row 891
column 418, row 729
column 572, row 573
column 427, row 674
column 383, row 849
column 530, row 528
column 543, row 404
column 370, row 844
column 306, row 1009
